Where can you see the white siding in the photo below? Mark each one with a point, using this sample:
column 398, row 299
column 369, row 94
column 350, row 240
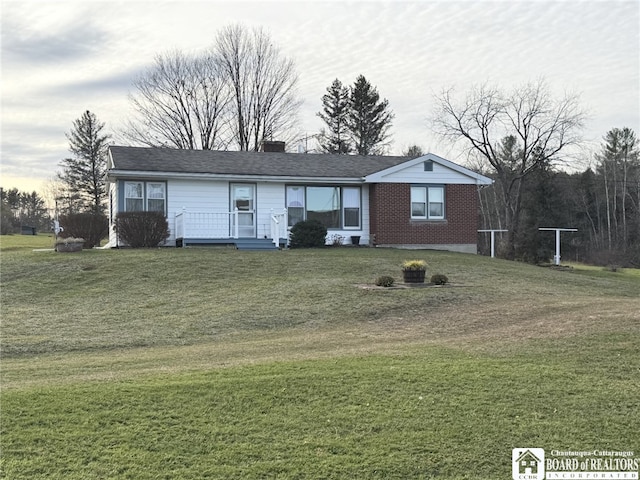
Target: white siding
column 416, row 174
column 195, row 196
column 113, row 211
column 213, row 196
column 443, row 171
column 210, row 196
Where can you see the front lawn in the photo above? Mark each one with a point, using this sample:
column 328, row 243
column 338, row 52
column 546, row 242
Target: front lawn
column 217, row 363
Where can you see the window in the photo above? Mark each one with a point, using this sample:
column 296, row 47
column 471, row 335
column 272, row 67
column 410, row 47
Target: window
column 155, row 197
column 436, row 202
column 323, row 204
column 334, row 207
column 295, row 204
column 145, row 196
column 133, row 194
column 427, row 203
column 418, row 202
column 428, row 166
column 351, row 207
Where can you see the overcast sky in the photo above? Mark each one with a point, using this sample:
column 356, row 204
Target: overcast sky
column 62, row 58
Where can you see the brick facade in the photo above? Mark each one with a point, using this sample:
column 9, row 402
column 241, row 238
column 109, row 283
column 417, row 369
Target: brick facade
column 390, row 208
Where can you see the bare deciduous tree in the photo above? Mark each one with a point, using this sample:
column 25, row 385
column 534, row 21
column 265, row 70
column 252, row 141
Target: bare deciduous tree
column 515, row 133
column 242, row 91
column 413, row 151
column 263, row 86
column 618, row 163
column 181, row 102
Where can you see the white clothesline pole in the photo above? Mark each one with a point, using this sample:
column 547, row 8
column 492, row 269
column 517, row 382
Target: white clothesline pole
column 556, row 257
column 493, row 240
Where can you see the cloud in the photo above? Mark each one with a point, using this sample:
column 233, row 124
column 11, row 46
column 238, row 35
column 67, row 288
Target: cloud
column 119, row 83
column 61, row 58
column 70, row 41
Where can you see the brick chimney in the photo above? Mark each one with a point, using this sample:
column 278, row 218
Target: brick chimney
column 272, row 146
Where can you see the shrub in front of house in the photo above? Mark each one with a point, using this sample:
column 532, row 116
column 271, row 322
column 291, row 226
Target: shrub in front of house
column 336, row 240
column 308, row 234
column 439, row 279
column 385, row 281
column 92, row 227
column 142, row 229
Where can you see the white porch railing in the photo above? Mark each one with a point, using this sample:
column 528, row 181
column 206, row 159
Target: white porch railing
column 279, row 227
column 223, row 225
column 206, row 224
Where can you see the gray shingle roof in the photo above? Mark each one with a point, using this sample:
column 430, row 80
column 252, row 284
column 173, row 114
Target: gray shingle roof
column 249, row 163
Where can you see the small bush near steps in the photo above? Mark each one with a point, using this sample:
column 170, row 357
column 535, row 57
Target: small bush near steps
column 308, row 234
column 384, row 281
column 439, row 279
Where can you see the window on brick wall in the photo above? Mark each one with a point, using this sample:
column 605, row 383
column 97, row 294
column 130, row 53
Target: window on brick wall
column 427, row 202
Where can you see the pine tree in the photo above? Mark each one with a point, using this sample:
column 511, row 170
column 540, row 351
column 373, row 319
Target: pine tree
column 335, row 106
column 84, row 173
column 369, row 118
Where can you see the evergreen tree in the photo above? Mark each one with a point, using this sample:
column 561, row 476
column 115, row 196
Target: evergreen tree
column 369, row 118
column 33, row 210
column 84, row 173
column 543, row 205
column 335, row 106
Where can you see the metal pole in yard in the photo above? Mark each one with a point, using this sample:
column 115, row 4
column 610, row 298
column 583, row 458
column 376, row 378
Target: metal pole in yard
column 556, row 257
column 493, row 240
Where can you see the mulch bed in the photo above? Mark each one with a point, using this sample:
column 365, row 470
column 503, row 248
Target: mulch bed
column 400, row 286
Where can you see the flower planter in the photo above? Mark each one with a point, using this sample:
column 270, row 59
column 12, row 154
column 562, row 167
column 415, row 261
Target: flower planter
column 355, row 240
column 413, row 276
column 69, row 247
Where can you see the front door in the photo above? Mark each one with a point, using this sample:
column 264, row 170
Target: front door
column 243, row 198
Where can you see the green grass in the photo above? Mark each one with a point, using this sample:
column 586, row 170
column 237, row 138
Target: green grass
column 216, row 363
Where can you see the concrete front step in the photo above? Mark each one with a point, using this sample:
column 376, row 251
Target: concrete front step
column 239, row 243
column 255, row 244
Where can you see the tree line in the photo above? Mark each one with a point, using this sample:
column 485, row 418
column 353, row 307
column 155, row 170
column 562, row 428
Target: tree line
column 602, row 202
column 20, row 209
column 241, row 91
column 525, row 139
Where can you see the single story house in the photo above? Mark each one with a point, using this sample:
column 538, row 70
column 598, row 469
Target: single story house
column 236, row 197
